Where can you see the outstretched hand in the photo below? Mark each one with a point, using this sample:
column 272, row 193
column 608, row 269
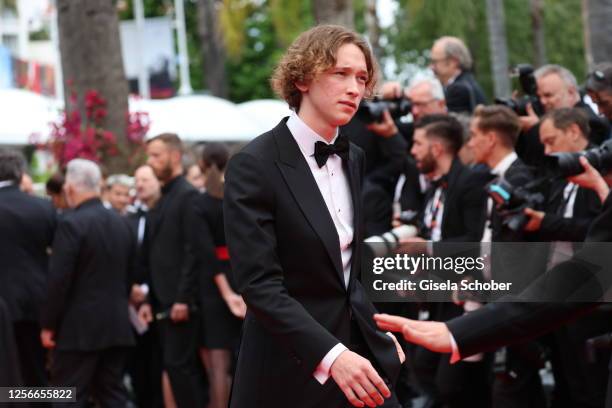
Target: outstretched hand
column 434, row 336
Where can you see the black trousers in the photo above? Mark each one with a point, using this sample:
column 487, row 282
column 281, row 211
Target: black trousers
column 94, row 373
column 31, row 353
column 179, row 343
column 145, row 369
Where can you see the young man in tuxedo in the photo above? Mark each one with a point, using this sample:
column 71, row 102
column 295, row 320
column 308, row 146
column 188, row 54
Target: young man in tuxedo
column 292, row 221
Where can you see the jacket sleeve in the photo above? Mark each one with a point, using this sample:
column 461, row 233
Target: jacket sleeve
column 249, row 208
column 62, row 268
column 188, row 284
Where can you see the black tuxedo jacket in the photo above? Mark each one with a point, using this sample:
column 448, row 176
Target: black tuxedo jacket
column 555, row 227
column 465, row 204
column 285, row 256
column 170, row 245
column 464, row 94
column 500, row 324
column 87, row 294
column 26, row 232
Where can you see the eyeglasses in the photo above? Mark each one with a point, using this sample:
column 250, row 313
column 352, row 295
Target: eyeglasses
column 437, row 60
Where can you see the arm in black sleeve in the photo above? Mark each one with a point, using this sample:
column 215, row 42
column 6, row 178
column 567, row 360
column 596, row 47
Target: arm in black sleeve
column 62, row 269
column 188, row 285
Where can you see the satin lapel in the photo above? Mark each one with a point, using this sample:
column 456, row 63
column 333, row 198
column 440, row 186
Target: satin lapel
column 306, row 193
column 355, row 183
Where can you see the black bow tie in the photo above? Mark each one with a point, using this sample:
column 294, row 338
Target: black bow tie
column 324, row 150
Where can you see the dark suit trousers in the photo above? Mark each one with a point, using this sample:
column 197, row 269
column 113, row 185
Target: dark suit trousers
column 31, row 354
column 95, row 373
column 179, row 348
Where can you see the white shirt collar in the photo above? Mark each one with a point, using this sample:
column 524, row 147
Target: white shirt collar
column 6, row 183
column 304, row 135
column 504, row 164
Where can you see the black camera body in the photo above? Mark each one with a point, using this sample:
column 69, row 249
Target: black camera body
column 528, row 84
column 568, row 164
column 511, row 201
column 372, row 111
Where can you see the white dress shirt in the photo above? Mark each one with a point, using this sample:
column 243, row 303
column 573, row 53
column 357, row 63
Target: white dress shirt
column 334, row 186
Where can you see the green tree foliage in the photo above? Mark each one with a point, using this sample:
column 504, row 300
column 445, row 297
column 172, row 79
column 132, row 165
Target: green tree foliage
column 420, row 22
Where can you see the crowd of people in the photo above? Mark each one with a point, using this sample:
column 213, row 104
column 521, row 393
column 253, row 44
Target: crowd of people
column 120, row 280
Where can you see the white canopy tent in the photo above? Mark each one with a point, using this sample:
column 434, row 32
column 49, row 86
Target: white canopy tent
column 198, row 118
column 24, row 114
column 194, row 118
column 265, row 112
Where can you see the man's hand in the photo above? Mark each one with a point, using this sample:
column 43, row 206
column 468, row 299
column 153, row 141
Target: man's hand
column 529, row 121
column 47, row 338
column 179, row 312
column 433, row 336
column 535, row 219
column 391, row 90
column 358, row 380
column 236, row 305
column 591, row 179
column 386, row 128
column 137, row 295
column 400, row 351
column 145, row 314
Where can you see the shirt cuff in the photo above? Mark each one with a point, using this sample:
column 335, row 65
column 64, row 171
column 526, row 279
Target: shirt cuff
column 321, row 373
column 455, row 356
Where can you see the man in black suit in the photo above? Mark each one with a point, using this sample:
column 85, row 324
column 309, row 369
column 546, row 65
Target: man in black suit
column 292, row 220
column 85, row 319
column 568, row 214
column 144, row 363
column 169, row 255
column 557, row 88
column 26, row 233
column 453, row 211
column 451, row 61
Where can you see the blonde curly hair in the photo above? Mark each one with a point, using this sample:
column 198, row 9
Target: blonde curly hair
column 314, row 52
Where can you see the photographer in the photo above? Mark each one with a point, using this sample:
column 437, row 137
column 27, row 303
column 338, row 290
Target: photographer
column 494, row 131
column 567, row 216
column 379, row 137
column 570, row 209
column 374, row 129
column 453, row 211
column 426, row 97
column 556, row 88
column 599, row 88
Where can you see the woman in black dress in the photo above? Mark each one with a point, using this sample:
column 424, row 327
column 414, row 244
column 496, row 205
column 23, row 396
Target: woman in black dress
column 222, row 308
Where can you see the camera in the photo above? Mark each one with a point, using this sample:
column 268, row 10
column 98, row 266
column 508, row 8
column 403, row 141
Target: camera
column 568, row 164
column 372, row 111
column 385, row 244
column 511, row 201
column 528, row 84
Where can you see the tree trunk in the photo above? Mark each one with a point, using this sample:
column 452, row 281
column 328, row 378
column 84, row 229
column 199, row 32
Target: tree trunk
column 334, row 12
column 90, row 50
column 537, row 27
column 499, row 47
column 213, row 49
column 598, row 30
column 373, row 27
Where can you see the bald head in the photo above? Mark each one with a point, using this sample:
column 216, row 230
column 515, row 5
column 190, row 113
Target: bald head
column 147, row 185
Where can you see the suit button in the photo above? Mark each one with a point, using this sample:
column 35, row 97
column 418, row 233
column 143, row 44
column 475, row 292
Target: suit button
column 297, row 360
